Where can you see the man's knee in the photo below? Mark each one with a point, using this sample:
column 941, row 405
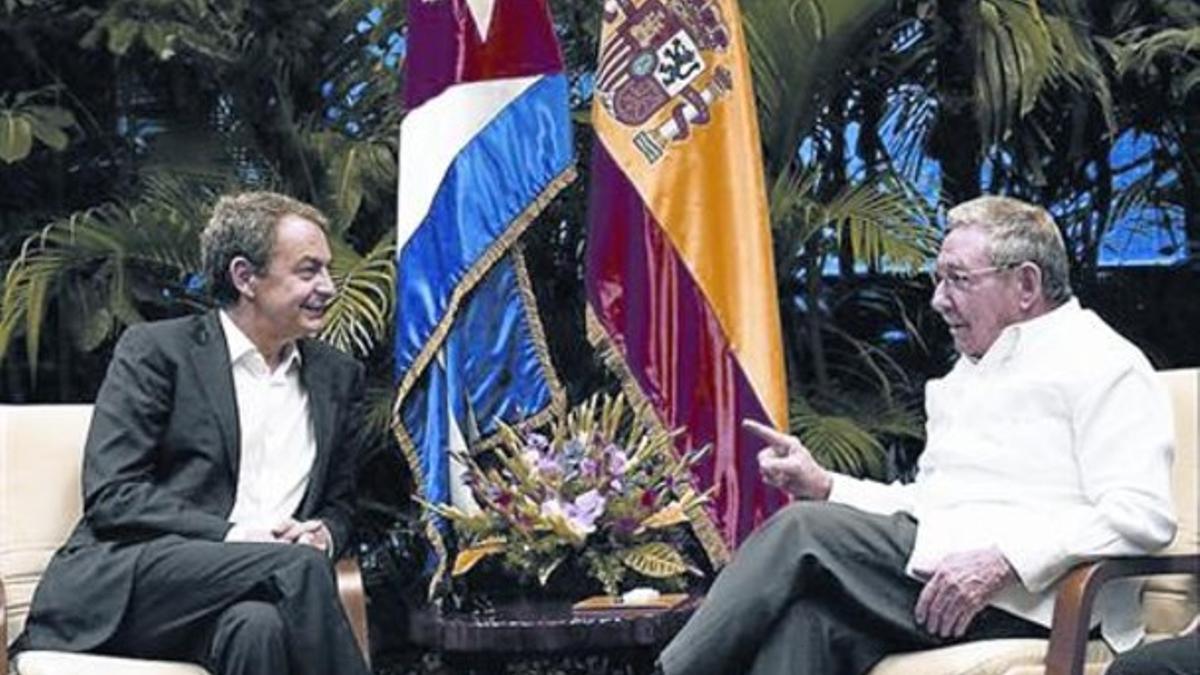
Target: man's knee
column 251, row 620
column 814, row 523
column 314, row 570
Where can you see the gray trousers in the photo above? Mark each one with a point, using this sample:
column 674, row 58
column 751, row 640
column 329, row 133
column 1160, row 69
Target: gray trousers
column 238, row 609
column 1176, row 656
column 819, row 589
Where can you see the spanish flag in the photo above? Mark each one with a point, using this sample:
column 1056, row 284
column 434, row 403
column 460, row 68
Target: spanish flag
column 680, row 276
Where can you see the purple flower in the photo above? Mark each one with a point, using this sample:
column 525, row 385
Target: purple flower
column 625, row 526
column 617, row 460
column 586, row 508
column 548, row 467
column 589, row 467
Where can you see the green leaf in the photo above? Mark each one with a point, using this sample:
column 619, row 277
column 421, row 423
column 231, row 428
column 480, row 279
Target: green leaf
column 121, row 34
column 470, row 557
column 668, row 516
column 52, row 135
column 359, row 315
column 16, row 137
column 657, row 560
column 547, row 569
column 158, row 39
column 348, row 192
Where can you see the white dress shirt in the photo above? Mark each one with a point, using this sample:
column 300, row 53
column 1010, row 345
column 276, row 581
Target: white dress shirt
column 1056, row 447
column 277, row 445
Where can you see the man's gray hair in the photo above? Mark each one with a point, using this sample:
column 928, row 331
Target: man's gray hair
column 1019, row 232
column 244, row 225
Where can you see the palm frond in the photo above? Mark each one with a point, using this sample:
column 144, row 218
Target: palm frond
column 1022, row 51
column 359, row 315
column 837, row 442
column 846, row 433
column 355, row 169
column 796, row 50
column 886, row 221
column 109, row 250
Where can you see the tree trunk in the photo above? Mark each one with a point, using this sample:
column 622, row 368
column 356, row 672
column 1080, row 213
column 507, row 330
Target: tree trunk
column 956, row 142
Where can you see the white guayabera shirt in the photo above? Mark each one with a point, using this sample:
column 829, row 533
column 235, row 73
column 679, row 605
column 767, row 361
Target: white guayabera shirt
column 1056, row 447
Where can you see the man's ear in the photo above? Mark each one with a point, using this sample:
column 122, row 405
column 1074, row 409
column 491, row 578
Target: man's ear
column 1029, row 286
column 241, row 272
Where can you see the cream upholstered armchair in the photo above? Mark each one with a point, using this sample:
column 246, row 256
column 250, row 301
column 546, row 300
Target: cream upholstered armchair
column 1169, row 597
column 41, row 454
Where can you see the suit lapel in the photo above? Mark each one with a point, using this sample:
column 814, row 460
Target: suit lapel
column 210, row 358
column 316, row 380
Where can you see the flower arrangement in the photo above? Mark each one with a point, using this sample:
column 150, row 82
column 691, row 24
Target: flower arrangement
column 602, row 487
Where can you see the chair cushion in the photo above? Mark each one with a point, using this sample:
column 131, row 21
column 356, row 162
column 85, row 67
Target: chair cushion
column 1171, row 601
column 986, row 657
column 41, row 452
column 65, row 663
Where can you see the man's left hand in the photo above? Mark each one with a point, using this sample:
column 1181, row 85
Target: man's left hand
column 959, row 587
column 308, row 532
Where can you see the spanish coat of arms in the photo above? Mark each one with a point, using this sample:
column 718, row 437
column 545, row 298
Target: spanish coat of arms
column 654, row 59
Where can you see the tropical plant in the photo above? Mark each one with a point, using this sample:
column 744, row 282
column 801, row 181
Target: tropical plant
column 24, row 119
column 822, row 216
column 229, row 96
column 112, row 266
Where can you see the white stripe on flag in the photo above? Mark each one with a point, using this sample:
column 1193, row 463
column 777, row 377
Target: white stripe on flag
column 456, row 443
column 432, row 136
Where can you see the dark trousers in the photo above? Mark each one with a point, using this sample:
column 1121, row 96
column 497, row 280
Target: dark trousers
column 819, row 589
column 1176, row 656
column 238, row 609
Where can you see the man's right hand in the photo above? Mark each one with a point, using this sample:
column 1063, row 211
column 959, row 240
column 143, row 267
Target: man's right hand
column 788, row 465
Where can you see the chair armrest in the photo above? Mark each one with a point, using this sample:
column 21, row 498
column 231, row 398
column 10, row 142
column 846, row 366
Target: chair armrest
column 3, row 632
column 1077, row 594
column 354, row 601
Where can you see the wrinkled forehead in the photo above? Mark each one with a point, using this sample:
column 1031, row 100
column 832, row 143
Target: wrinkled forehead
column 298, row 238
column 965, row 247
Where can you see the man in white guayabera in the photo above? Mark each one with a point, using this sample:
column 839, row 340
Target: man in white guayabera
column 1049, row 443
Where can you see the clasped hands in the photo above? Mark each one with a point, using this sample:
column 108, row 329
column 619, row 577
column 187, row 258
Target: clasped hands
column 290, row 531
column 956, row 589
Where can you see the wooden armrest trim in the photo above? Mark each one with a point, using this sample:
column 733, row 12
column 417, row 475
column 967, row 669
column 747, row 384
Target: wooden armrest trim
column 1077, row 594
column 354, row 601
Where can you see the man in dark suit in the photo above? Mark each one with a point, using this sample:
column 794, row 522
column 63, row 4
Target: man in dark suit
column 219, row 468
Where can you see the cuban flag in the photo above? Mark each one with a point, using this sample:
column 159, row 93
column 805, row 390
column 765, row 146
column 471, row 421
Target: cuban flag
column 486, row 143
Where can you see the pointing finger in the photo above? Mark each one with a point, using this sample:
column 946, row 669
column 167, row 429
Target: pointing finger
column 779, row 440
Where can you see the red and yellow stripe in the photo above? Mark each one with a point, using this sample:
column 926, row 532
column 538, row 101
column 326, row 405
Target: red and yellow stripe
column 681, row 279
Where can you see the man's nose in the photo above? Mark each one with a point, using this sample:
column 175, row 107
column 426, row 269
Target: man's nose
column 325, row 283
column 939, row 301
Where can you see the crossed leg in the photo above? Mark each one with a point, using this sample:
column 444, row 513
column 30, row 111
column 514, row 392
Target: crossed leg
column 238, row 609
column 819, row 589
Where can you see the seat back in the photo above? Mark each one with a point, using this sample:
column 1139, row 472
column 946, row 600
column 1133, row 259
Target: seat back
column 41, row 455
column 1171, row 601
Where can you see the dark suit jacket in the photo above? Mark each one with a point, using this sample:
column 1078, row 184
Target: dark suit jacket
column 162, row 459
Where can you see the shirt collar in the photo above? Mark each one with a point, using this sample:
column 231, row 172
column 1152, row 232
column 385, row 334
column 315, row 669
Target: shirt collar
column 241, row 347
column 1013, row 337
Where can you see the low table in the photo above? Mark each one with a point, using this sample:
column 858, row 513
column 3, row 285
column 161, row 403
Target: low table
column 521, row 633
